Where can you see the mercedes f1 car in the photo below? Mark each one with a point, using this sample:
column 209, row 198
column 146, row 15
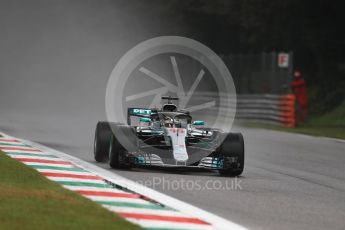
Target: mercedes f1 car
column 168, row 137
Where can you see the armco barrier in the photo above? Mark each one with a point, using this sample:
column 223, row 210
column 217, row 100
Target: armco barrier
column 274, row 109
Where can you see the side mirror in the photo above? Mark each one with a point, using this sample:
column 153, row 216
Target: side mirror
column 198, row 123
column 145, row 120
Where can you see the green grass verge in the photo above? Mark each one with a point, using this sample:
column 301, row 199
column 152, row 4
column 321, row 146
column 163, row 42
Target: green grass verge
column 31, row 201
column 331, row 124
column 324, row 131
column 335, row 118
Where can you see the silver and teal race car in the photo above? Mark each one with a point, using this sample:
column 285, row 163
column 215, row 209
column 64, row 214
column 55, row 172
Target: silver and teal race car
column 168, row 137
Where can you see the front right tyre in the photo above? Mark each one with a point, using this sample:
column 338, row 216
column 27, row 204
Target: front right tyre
column 232, row 152
column 123, row 142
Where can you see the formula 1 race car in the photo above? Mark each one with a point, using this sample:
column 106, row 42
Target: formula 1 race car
column 168, row 137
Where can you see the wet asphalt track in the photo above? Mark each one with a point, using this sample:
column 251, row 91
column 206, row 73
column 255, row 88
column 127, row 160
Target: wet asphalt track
column 290, row 181
column 55, row 60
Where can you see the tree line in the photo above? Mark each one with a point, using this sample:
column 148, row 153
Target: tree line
column 312, row 29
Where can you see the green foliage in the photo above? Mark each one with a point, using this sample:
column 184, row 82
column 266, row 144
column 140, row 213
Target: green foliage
column 312, row 29
column 334, row 118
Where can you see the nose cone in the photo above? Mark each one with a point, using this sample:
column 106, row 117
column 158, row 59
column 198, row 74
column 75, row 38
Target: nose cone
column 178, row 139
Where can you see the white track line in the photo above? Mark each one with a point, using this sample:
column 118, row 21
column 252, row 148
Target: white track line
column 88, row 188
column 65, row 171
column 40, row 157
column 19, row 148
column 173, row 225
column 117, row 199
column 160, row 212
column 48, row 164
column 23, row 151
column 73, row 179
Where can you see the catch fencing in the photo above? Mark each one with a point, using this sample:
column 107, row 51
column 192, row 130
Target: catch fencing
column 263, row 87
column 259, row 73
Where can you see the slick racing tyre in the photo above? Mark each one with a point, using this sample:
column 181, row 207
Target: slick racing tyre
column 232, row 151
column 123, row 142
column 102, row 140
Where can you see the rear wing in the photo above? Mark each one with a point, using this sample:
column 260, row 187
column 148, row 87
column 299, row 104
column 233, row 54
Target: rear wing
column 139, row 112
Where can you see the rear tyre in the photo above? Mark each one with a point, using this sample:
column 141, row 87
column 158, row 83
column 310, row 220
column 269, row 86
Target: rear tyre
column 123, row 142
column 102, row 140
column 232, row 151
